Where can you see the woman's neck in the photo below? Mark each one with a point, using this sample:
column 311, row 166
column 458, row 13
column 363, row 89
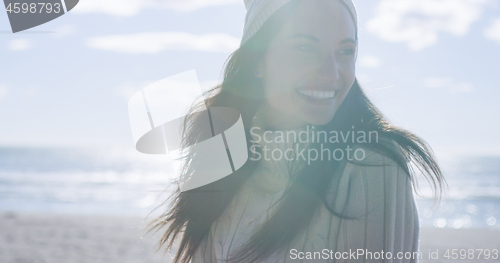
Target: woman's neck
column 277, row 148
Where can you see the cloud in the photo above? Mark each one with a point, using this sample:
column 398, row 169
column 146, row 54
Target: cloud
column 132, row 7
column 369, row 62
column 155, row 42
column 3, row 91
column 493, row 32
column 19, row 44
column 448, row 83
column 419, row 22
column 438, row 82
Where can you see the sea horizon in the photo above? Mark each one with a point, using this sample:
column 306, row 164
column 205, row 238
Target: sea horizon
column 121, row 181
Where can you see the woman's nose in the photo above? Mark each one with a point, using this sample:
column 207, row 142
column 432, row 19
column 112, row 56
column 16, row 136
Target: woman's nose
column 328, row 70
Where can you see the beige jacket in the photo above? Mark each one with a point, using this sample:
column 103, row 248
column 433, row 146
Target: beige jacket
column 380, row 195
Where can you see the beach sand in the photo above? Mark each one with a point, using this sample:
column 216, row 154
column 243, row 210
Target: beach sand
column 48, row 238
column 442, row 239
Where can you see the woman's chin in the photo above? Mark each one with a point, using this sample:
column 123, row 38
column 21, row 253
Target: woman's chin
column 318, row 114
column 320, row 119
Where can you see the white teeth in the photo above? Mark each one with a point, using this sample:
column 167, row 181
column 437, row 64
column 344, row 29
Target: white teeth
column 317, row 94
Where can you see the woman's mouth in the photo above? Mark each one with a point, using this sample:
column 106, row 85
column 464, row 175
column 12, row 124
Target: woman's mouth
column 317, row 94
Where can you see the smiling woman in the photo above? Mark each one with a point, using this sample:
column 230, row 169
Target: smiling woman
column 295, row 73
column 308, row 68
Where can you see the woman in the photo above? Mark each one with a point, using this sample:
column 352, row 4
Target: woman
column 295, row 72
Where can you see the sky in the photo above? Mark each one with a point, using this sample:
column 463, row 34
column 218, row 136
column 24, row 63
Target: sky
column 431, row 66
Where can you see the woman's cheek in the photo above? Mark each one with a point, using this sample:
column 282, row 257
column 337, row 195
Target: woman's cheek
column 281, row 99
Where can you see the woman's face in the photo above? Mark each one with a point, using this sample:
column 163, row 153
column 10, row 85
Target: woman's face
column 309, row 66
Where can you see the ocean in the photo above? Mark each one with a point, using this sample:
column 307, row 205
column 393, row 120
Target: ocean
column 126, row 182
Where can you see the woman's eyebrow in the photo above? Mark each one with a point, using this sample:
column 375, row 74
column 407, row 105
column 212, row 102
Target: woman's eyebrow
column 313, row 38
column 310, row 37
column 348, row 40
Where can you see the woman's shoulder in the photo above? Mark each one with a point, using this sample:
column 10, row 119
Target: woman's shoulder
column 384, row 152
column 375, row 177
column 385, row 159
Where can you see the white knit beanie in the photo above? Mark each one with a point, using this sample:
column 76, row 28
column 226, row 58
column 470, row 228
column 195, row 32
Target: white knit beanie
column 258, row 11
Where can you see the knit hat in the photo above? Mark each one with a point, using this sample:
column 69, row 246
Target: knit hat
column 258, row 11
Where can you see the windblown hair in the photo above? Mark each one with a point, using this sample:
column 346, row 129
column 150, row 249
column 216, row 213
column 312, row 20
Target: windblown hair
column 192, row 213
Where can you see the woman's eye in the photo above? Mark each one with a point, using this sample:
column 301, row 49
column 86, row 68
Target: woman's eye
column 306, row 48
column 348, row 52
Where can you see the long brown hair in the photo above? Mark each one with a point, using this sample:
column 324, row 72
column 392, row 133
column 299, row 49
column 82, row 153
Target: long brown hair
column 191, row 213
